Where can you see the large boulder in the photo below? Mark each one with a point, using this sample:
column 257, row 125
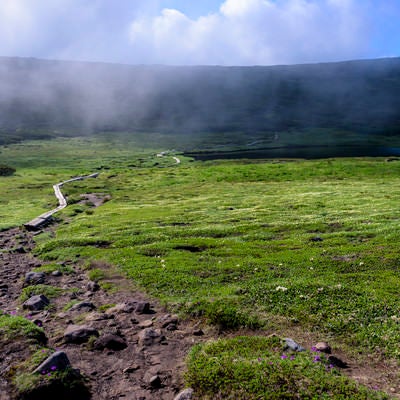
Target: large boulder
column 58, row 361
column 111, row 342
column 35, row 278
column 37, row 302
column 79, row 333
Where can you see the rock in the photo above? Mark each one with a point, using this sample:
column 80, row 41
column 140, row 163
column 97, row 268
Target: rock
column 131, row 368
column 98, row 317
column 171, row 327
column 121, row 308
column 323, row 347
column 186, row 394
column 92, row 286
column 35, row 278
column 56, row 273
column 58, row 361
column 142, row 307
column 79, row 333
column 146, row 324
column 198, row 332
column 37, row 302
column 83, row 306
column 149, row 336
column 168, row 320
column 292, row 345
column 337, row 362
column 111, row 342
column 155, row 382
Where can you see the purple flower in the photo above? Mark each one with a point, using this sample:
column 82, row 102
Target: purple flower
column 53, row 368
column 317, row 358
column 29, row 316
column 43, row 372
column 283, row 356
column 49, row 374
column 292, row 358
column 13, row 313
column 314, row 349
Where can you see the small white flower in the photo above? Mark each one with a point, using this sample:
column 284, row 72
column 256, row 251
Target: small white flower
column 311, row 268
column 320, row 289
column 312, row 259
column 255, row 269
column 281, row 288
column 361, row 263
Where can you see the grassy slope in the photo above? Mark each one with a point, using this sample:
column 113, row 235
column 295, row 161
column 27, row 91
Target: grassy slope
column 232, row 240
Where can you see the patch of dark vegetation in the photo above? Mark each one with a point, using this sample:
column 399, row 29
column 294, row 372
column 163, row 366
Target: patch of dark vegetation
column 6, row 170
column 191, row 248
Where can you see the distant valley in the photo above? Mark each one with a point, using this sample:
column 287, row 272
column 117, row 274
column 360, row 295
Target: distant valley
column 332, row 104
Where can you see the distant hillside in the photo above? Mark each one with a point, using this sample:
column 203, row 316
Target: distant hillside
column 38, row 96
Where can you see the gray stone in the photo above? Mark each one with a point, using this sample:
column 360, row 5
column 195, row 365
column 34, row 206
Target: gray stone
column 292, row 345
column 155, row 381
column 142, row 307
column 111, row 342
column 186, row 394
column 79, row 333
column 132, row 368
column 83, row 306
column 58, row 361
column 168, row 320
column 323, row 347
column 149, row 336
column 56, row 273
column 120, row 308
column 35, row 278
column 146, row 324
column 37, row 302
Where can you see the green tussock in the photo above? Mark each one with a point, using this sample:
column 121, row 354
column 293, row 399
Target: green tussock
column 46, row 290
column 12, row 327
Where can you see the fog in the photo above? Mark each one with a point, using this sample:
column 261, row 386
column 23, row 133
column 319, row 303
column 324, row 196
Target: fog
column 360, row 96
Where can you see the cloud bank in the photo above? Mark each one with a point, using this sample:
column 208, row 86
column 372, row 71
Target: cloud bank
column 241, row 32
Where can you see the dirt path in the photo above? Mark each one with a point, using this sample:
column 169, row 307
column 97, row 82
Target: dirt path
column 144, row 369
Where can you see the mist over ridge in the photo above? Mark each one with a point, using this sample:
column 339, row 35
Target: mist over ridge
column 352, row 96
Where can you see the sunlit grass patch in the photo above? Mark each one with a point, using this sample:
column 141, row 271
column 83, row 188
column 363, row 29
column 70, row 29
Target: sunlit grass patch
column 259, row 368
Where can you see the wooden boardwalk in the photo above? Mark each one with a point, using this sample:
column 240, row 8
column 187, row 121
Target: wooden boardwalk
column 45, row 218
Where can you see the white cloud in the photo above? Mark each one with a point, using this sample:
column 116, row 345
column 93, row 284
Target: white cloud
column 254, row 32
column 240, row 32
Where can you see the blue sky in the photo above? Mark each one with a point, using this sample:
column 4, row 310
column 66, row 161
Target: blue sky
column 184, row 32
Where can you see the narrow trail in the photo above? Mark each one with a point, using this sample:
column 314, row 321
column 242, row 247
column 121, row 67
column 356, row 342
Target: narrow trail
column 44, row 218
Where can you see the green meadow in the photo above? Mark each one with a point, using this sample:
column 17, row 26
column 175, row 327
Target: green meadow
column 274, row 245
